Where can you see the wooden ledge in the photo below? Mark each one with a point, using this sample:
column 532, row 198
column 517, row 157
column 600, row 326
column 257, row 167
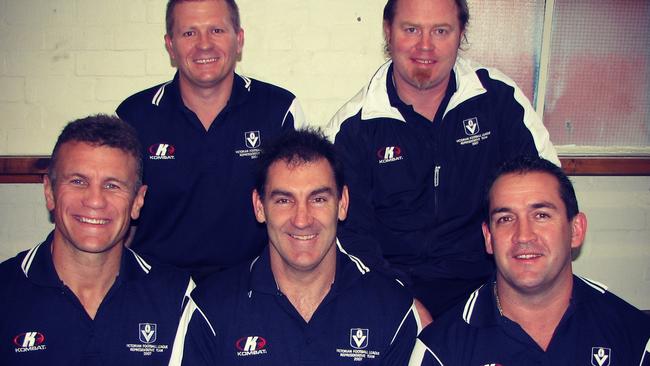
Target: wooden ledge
column 30, row 169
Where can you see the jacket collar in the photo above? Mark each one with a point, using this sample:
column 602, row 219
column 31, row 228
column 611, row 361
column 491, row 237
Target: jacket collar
column 376, row 101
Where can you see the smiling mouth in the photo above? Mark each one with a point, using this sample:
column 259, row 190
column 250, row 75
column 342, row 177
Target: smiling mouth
column 88, row 220
column 302, row 237
column 423, row 61
column 528, row 256
column 206, row 60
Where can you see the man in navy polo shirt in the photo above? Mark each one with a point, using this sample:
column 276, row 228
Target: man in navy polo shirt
column 536, row 312
column 304, row 301
column 80, row 297
column 201, row 133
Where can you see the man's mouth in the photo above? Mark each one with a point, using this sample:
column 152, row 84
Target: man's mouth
column 302, row 237
column 205, row 60
column 423, row 61
column 528, row 256
column 89, row 220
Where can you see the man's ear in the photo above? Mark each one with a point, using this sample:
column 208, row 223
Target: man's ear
column 488, row 238
column 343, row 204
column 138, row 202
column 258, row 207
column 578, row 230
column 48, row 189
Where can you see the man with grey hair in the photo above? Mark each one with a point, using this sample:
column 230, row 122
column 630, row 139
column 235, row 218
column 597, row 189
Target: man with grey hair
column 201, row 133
column 418, row 143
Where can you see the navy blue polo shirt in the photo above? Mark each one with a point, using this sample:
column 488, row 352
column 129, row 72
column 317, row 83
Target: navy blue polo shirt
column 597, row 329
column 198, row 211
column 240, row 317
column 43, row 323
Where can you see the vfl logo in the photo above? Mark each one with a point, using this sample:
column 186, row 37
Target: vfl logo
column 600, row 356
column 359, row 338
column 148, row 332
column 250, row 346
column 471, row 126
column 252, row 139
column 161, row 152
column 29, row 341
column 389, row 154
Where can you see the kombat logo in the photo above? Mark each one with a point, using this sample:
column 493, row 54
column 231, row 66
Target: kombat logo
column 389, row 154
column 29, row 341
column 161, row 152
column 600, row 356
column 253, row 141
column 147, row 334
column 471, row 126
column 359, row 341
column 250, row 346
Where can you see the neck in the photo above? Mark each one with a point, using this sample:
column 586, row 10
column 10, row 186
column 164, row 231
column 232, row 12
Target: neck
column 424, row 101
column 538, row 314
column 88, row 275
column 206, row 103
column 306, row 289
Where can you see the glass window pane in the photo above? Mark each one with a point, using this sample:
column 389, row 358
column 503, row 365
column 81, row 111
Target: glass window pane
column 598, row 80
column 507, row 34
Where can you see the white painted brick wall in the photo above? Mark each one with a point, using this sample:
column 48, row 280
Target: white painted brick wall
column 64, row 59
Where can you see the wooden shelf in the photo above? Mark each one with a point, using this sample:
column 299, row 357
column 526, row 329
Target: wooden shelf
column 30, row 169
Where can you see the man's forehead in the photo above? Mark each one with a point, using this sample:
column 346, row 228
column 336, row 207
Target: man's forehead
column 529, row 187
column 317, row 172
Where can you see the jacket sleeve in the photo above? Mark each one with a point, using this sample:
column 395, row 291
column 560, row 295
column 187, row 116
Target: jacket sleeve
column 357, row 233
column 196, row 340
column 524, row 132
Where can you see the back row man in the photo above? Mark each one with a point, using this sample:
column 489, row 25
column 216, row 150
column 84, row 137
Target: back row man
column 418, row 144
column 201, row 133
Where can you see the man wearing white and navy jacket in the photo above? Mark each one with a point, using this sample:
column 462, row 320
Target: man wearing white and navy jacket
column 418, row 144
column 535, row 311
column 304, row 301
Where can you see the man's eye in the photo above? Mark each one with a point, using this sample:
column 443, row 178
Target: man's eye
column 503, row 219
column 282, row 201
column 188, row 34
column 77, row 182
column 111, row 186
column 410, row 30
column 218, row 30
column 320, row 200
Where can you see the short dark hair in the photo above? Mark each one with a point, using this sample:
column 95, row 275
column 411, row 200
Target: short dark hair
column 535, row 164
column 296, row 148
column 461, row 5
column 100, row 130
column 171, row 4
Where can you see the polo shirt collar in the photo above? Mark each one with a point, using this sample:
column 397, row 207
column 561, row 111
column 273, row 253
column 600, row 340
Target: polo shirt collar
column 241, row 88
column 38, row 266
column 262, row 280
column 481, row 309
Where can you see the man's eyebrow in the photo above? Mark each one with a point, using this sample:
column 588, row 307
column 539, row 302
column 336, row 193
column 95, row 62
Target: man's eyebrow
column 322, row 190
column 535, row 206
column 279, row 192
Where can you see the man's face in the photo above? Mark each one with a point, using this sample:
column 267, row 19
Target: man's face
column 301, row 207
column 423, row 42
column 94, row 198
column 529, row 233
column 204, row 45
